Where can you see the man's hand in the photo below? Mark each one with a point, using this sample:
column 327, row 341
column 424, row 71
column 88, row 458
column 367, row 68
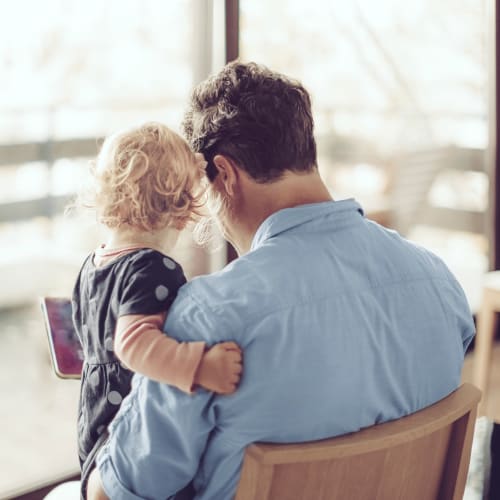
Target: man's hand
column 95, row 490
column 220, row 368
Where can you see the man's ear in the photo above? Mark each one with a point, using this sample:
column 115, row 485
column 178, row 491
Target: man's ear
column 228, row 173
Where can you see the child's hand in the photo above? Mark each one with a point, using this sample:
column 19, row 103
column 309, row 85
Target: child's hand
column 220, row 368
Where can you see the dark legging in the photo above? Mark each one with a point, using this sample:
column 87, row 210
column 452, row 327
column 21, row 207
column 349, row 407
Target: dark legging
column 186, row 493
column 494, row 493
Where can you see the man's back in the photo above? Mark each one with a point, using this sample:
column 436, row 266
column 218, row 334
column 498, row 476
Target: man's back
column 343, row 324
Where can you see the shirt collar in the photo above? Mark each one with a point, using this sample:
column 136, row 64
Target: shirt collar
column 287, row 218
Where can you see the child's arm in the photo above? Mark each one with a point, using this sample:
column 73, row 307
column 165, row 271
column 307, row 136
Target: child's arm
column 220, row 368
column 142, row 346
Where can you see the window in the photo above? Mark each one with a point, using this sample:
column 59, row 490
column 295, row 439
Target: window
column 401, row 110
column 72, row 72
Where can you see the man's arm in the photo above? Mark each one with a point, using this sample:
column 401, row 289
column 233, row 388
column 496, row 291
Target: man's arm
column 155, row 441
column 159, row 435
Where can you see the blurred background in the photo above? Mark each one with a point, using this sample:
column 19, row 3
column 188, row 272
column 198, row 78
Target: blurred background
column 402, row 98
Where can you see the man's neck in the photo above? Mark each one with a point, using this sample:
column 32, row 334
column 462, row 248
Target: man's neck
column 259, row 201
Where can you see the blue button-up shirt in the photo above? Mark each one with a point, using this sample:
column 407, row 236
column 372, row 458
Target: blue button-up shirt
column 343, row 324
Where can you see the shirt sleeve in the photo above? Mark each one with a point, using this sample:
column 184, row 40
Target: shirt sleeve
column 160, row 433
column 142, row 346
column 150, row 284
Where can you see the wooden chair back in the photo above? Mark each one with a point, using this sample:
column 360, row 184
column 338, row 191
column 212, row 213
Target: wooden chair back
column 422, row 456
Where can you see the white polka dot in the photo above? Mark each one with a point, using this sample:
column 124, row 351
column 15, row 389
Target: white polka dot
column 169, row 263
column 115, row 398
column 101, row 429
column 161, row 292
column 94, row 378
column 108, row 344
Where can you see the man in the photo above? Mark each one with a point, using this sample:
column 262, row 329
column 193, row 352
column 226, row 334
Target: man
column 343, row 323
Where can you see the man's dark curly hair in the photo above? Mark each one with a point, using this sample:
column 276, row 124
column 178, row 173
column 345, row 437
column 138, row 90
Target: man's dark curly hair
column 260, row 119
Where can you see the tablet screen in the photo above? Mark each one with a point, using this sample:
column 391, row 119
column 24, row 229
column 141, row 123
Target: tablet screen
column 65, row 348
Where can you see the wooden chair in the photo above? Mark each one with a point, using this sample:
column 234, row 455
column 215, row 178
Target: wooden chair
column 419, row 457
column 485, row 334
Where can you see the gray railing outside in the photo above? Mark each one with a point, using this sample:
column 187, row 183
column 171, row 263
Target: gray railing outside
column 48, row 152
column 53, row 150
column 205, row 40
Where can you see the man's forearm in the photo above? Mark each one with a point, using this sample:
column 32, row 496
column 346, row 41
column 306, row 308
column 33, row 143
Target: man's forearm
column 95, row 490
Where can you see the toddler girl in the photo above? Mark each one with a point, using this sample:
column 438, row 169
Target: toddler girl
column 148, row 187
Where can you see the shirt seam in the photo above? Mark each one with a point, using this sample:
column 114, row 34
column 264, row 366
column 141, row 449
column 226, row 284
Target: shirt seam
column 340, row 227
column 267, row 234
column 313, row 299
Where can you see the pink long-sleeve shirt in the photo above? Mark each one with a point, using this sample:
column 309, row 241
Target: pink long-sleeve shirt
column 143, row 347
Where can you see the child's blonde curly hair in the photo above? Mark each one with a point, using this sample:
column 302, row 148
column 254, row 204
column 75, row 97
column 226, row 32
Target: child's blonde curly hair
column 147, row 178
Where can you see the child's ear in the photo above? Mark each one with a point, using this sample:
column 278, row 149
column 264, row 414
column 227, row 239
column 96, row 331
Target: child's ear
column 227, row 173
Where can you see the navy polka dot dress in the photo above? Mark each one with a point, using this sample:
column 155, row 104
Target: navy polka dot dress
column 141, row 282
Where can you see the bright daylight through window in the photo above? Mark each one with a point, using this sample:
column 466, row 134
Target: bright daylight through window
column 400, row 99
column 72, row 72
